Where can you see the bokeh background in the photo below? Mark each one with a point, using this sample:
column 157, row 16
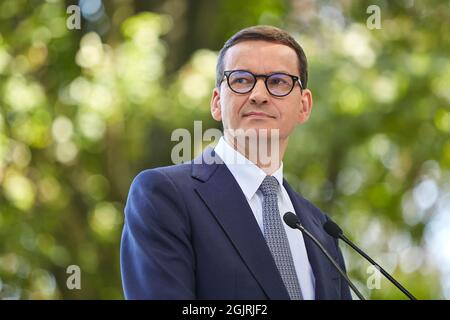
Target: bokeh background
column 83, row 111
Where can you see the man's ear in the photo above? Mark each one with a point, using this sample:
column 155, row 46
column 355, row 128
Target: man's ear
column 305, row 106
column 216, row 110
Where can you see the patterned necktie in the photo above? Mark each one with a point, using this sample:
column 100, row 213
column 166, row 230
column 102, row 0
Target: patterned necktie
column 276, row 237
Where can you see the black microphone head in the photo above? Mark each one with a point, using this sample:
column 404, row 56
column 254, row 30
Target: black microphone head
column 332, row 229
column 291, row 220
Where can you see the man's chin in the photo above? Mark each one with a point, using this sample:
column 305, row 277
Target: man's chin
column 254, row 131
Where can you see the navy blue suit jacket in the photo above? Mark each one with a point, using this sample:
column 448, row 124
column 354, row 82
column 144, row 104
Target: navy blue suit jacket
column 189, row 233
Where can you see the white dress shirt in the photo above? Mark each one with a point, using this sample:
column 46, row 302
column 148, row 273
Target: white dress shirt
column 249, row 177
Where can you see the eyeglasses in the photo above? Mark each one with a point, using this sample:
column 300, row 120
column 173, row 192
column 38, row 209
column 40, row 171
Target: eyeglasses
column 278, row 84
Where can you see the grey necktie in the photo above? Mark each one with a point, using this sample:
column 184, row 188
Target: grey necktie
column 276, row 237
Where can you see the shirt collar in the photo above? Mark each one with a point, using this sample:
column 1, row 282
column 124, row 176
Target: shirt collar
column 248, row 175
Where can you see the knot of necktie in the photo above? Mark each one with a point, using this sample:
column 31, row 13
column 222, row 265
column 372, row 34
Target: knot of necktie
column 269, row 186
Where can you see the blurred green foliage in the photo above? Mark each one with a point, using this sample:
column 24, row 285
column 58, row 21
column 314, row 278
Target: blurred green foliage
column 83, row 111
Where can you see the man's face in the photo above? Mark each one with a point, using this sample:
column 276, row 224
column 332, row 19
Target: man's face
column 258, row 109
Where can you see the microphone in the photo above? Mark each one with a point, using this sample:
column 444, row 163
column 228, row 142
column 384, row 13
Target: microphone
column 333, row 230
column 292, row 221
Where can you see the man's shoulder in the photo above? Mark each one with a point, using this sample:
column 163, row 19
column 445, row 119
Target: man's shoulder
column 312, row 210
column 174, row 173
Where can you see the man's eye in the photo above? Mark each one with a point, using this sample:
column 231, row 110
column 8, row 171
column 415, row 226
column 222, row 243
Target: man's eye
column 277, row 81
column 241, row 80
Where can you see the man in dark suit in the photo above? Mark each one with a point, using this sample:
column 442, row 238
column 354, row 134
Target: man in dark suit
column 212, row 228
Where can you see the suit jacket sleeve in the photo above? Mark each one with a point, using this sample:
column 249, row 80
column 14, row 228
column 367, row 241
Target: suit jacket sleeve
column 345, row 289
column 157, row 259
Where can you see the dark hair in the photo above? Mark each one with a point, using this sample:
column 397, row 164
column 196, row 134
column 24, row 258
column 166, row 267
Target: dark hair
column 265, row 33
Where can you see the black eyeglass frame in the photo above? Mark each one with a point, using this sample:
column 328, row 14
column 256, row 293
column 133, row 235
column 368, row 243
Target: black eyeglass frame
column 226, row 74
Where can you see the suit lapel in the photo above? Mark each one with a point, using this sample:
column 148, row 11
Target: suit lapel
column 325, row 276
column 226, row 201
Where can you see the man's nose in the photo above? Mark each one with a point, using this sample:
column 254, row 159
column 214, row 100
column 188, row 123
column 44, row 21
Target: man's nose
column 259, row 94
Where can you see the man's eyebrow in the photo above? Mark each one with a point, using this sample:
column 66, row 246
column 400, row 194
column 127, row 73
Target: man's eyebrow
column 281, row 71
column 272, row 72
